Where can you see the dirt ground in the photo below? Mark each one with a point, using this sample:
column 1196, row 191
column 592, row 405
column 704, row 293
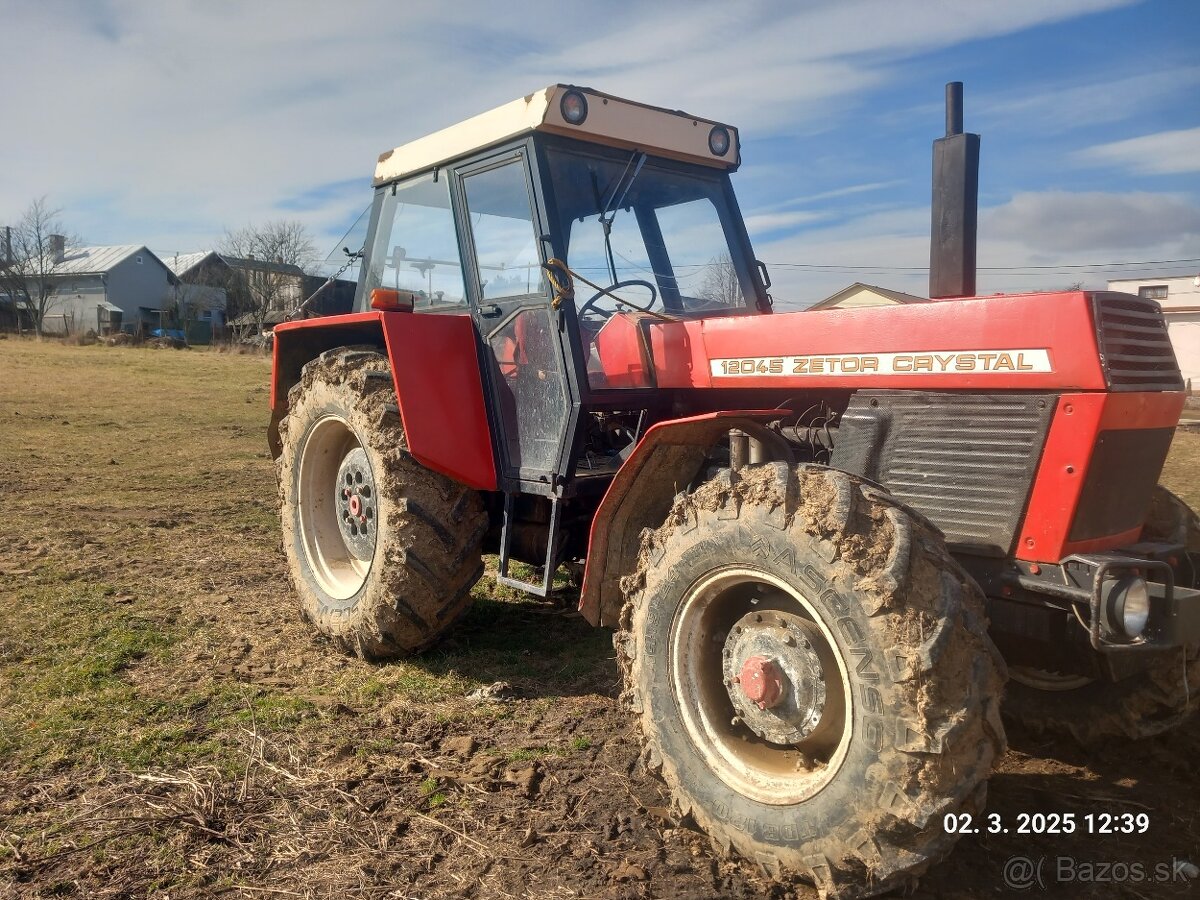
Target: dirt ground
column 169, row 728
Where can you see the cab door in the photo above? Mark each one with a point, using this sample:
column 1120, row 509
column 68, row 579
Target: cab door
column 512, row 304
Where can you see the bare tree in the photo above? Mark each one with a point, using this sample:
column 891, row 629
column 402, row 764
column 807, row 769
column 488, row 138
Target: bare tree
column 38, row 242
column 721, row 284
column 272, row 259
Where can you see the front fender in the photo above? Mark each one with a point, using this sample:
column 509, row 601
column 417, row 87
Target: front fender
column 640, row 495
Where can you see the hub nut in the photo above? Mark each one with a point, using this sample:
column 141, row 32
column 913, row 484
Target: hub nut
column 762, row 681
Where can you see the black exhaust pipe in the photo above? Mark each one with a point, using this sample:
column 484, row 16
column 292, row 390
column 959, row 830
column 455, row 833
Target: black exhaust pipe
column 955, row 205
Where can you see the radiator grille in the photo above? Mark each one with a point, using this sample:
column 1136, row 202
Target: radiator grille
column 966, row 461
column 1135, row 348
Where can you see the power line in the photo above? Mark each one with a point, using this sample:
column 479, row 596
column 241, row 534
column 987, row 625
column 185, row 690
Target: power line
column 1030, row 269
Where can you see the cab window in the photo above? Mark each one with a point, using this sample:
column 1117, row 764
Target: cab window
column 416, row 245
column 505, row 239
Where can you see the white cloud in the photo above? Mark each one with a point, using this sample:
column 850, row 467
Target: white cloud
column 1036, row 241
column 1101, row 101
column 1164, row 153
column 765, row 222
column 166, row 122
column 1063, row 222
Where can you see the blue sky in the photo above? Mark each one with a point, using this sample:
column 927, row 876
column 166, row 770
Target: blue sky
column 166, row 123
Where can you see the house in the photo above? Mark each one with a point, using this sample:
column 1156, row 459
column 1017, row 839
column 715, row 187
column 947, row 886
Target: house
column 333, row 300
column 327, row 299
column 201, row 293
column 274, row 287
column 1179, row 297
column 105, row 289
column 859, row 294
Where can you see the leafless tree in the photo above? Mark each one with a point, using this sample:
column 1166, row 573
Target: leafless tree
column 268, row 256
column 36, row 240
column 721, row 284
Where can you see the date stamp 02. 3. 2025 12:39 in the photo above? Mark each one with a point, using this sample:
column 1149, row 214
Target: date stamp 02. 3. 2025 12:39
column 1024, row 872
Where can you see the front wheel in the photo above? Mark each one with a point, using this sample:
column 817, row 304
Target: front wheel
column 813, row 676
column 382, row 551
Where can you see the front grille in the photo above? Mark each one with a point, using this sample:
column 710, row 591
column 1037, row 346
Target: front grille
column 964, row 460
column 1135, row 348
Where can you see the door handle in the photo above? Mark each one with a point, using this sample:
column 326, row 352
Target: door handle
column 490, row 311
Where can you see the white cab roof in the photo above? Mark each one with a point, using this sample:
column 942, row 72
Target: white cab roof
column 610, row 121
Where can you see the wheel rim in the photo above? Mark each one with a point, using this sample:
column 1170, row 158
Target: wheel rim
column 761, row 687
column 1045, row 680
column 336, row 507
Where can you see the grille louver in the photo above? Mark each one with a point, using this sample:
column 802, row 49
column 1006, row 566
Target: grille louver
column 966, row 461
column 1135, row 348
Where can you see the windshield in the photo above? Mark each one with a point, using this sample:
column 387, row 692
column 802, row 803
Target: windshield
column 662, row 230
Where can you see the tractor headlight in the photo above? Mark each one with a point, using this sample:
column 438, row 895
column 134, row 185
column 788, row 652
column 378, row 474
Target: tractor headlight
column 1127, row 605
column 718, row 140
column 573, row 107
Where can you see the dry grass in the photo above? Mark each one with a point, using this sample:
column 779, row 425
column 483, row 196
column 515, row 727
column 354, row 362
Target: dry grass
column 168, row 726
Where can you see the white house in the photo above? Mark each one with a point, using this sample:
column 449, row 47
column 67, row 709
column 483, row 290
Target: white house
column 1179, row 297
column 105, row 289
column 859, row 294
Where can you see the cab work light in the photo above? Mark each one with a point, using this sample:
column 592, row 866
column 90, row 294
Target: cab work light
column 574, row 107
column 390, row 300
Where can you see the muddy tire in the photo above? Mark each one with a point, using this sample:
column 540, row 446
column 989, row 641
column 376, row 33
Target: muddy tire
column 1154, row 701
column 1093, row 712
column 382, row 551
column 1172, row 521
column 810, row 581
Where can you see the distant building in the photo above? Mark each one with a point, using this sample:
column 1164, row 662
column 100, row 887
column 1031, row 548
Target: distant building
column 279, row 285
column 334, row 300
column 1179, row 297
column 105, row 289
column 859, row 294
column 202, row 292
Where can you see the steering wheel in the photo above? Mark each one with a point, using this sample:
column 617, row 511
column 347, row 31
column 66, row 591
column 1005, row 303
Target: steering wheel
column 633, row 282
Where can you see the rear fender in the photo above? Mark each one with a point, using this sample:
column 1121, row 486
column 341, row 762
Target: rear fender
column 435, row 367
column 664, row 462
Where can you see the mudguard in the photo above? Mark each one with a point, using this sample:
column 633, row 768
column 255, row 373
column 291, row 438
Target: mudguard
column 640, row 495
column 435, row 367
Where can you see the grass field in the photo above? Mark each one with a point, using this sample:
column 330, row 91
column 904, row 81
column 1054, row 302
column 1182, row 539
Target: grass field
column 168, row 726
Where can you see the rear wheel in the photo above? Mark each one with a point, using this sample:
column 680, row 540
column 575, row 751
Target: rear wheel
column 813, row 676
column 1157, row 699
column 382, row 551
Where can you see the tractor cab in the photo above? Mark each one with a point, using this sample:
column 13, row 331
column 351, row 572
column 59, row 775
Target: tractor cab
column 561, row 224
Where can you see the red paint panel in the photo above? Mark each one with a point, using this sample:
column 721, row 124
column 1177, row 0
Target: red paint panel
column 622, row 354
column 1078, row 420
column 440, row 388
column 435, row 367
column 1060, row 324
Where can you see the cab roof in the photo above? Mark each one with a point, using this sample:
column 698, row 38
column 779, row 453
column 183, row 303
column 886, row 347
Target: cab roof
column 609, row 120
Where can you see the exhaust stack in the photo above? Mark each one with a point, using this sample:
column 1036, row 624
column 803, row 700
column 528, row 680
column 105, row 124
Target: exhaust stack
column 955, row 205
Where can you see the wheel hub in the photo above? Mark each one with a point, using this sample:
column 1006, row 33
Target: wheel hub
column 356, row 504
column 774, row 676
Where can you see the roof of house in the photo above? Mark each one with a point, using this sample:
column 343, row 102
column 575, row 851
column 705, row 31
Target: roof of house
column 897, row 296
column 182, row 263
column 98, row 260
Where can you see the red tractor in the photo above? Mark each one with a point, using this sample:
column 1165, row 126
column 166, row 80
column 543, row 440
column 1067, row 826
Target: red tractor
column 819, row 537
